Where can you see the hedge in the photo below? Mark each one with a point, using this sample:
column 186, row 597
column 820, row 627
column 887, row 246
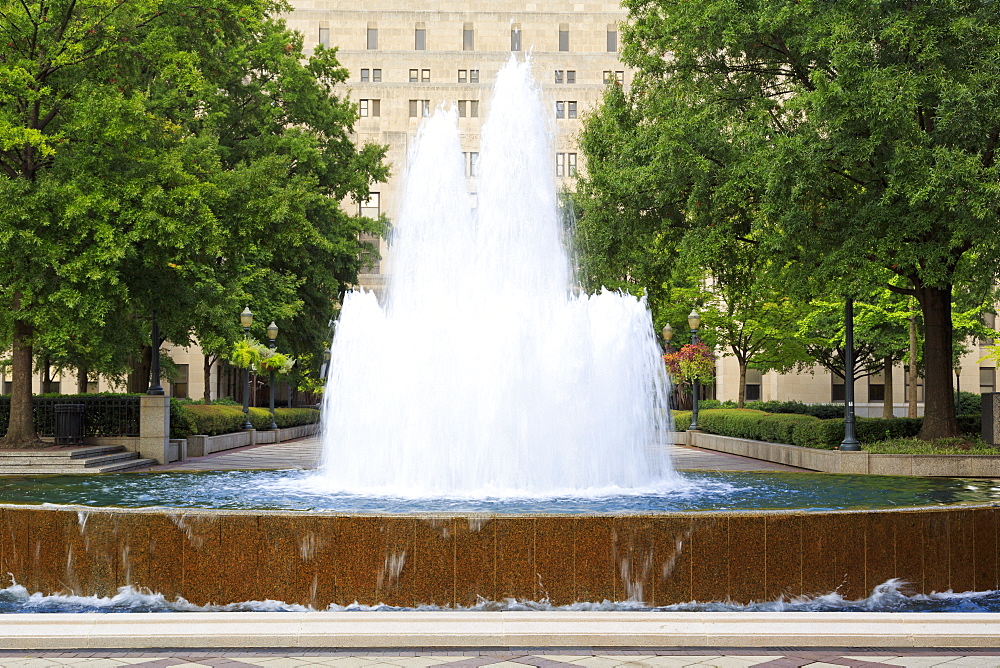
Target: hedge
column 805, row 430
column 213, row 420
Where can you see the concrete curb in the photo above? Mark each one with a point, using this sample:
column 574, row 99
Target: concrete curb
column 835, row 461
column 497, row 629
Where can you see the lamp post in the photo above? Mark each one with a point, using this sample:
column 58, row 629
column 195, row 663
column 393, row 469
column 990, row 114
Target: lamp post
column 668, row 335
column 694, row 322
column 246, row 319
column 272, row 334
column 155, row 388
column 850, row 442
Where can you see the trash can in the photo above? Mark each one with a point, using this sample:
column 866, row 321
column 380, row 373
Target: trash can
column 69, row 424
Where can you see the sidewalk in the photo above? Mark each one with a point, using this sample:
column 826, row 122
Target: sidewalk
column 305, row 453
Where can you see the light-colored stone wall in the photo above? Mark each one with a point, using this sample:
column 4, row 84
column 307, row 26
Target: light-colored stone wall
column 587, row 25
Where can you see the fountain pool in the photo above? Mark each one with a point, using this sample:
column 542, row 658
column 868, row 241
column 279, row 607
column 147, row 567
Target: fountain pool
column 493, row 435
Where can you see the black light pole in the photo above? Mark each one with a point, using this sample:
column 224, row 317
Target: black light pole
column 850, row 442
column 694, row 321
column 154, row 358
column 272, row 334
column 246, row 319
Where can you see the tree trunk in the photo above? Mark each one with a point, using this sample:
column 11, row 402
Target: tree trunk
column 209, row 361
column 46, row 375
column 81, row 379
column 21, row 427
column 138, row 379
column 939, row 394
column 887, row 398
column 911, row 390
column 742, row 396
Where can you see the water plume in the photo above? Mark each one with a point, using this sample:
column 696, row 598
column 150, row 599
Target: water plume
column 486, row 373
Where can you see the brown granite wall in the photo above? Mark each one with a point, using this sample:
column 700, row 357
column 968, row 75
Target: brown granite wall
column 315, row 559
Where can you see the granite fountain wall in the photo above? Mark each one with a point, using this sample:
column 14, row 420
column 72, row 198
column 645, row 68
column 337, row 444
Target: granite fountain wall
column 319, row 559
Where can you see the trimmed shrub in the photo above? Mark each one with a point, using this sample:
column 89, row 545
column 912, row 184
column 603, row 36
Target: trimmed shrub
column 213, row 420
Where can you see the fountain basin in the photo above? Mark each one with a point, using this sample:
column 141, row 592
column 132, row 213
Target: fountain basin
column 323, row 558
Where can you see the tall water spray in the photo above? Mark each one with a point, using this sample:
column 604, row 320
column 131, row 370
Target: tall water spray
column 485, row 373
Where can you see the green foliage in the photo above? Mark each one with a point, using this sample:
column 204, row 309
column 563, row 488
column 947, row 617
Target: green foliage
column 213, row 420
column 822, row 411
column 850, row 144
column 804, row 430
column 969, row 403
column 942, row 446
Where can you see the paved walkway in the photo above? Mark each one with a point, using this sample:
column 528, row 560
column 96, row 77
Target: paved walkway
column 782, row 657
column 305, row 453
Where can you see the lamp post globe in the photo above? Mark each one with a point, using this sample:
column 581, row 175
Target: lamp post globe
column 246, row 319
column 668, row 335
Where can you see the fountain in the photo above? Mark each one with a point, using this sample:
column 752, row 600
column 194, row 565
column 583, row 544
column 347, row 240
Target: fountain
column 493, row 435
column 486, row 373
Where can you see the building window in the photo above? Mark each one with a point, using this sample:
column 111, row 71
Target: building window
column 425, row 76
column 560, row 74
column 324, row 36
column 753, row 380
column 876, row 388
column 990, row 320
column 414, row 76
column 906, row 387
column 370, row 108
column 468, row 108
column 987, row 380
column 373, row 38
column 377, row 75
column 837, row 392
column 474, row 76
column 560, row 109
column 471, row 160
column 515, row 38
column 468, row 38
column 571, row 109
column 564, row 37
column 179, row 386
column 571, row 76
column 370, row 208
column 617, row 77
column 420, row 108
column 612, row 40
column 420, row 39
column 565, row 164
column 364, row 74
column 468, row 76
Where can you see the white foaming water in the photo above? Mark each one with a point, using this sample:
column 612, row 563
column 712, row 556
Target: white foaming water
column 484, row 374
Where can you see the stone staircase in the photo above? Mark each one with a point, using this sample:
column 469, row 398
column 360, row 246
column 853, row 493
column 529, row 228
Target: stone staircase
column 71, row 460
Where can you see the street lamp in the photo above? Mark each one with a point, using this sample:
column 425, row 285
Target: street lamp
column 850, row 442
column 246, row 319
column 668, row 334
column 155, row 389
column 694, row 322
column 272, row 334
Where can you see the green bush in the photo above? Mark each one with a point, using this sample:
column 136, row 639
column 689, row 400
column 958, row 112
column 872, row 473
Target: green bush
column 213, row 420
column 821, row 411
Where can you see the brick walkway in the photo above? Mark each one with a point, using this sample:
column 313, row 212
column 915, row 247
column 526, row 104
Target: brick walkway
column 782, row 657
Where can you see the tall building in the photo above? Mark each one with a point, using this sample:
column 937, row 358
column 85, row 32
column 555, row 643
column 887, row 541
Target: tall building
column 407, row 58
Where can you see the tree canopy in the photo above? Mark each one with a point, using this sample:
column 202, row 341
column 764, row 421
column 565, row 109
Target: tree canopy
column 846, row 141
column 162, row 159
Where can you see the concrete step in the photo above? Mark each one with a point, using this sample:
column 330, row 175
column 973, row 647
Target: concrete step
column 131, row 465
column 91, row 462
column 67, row 453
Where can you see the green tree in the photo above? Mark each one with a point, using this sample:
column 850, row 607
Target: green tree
column 170, row 160
column 864, row 134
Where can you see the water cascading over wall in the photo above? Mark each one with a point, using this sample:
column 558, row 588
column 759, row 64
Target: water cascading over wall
column 485, row 373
